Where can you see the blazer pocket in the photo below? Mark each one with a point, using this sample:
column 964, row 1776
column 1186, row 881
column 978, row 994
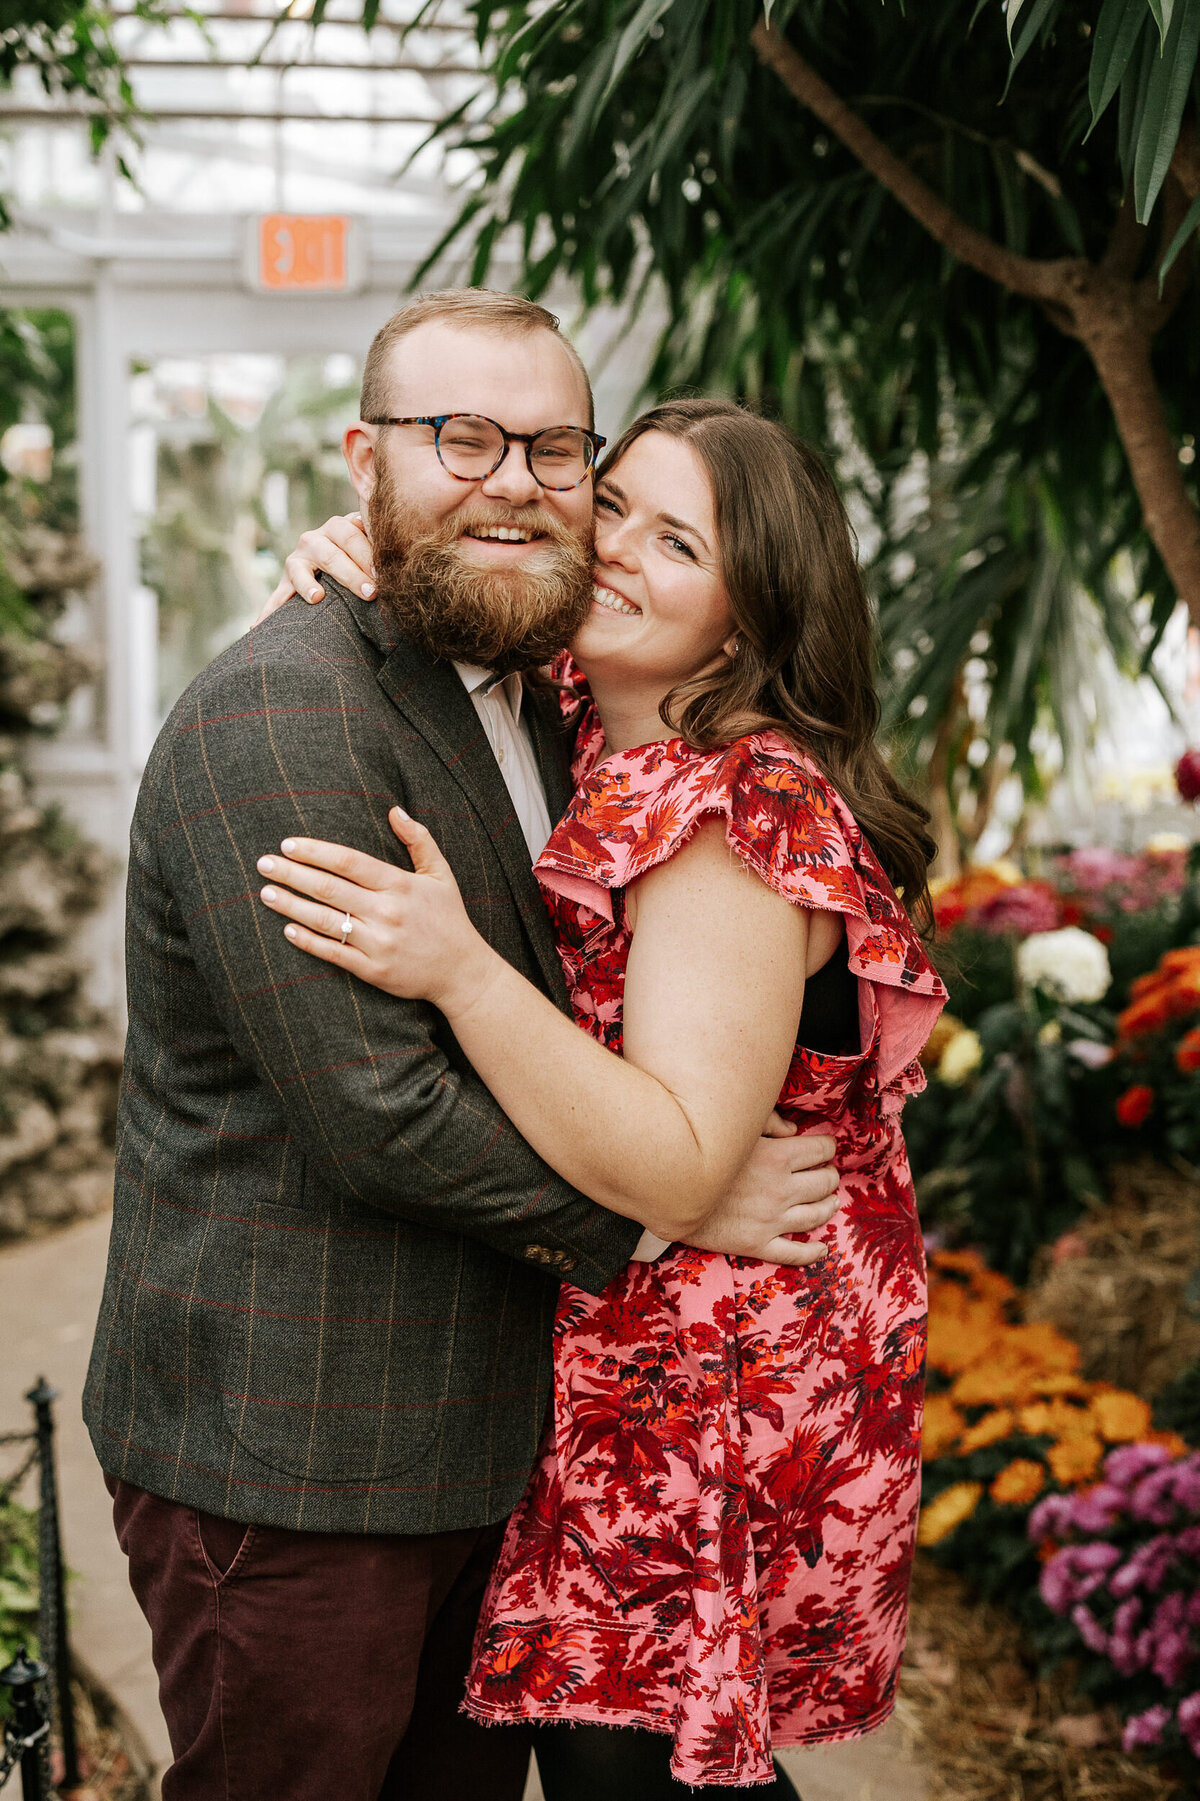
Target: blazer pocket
column 321, row 1380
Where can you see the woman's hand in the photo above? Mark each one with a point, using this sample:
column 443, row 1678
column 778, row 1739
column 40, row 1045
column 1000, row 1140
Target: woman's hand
column 408, row 934
column 341, row 549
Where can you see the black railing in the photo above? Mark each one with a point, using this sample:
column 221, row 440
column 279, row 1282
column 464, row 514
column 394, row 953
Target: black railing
column 40, row 1693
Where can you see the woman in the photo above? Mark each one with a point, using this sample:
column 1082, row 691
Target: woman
column 716, row 1542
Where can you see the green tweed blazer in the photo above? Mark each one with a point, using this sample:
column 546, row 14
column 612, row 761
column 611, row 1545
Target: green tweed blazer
column 334, row 1261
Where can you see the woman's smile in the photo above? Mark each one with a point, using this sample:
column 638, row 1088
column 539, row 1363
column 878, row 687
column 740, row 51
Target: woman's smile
column 613, row 602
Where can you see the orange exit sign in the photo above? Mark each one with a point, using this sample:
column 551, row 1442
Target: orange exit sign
column 305, row 253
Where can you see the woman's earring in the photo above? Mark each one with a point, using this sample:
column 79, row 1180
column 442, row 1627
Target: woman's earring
column 732, row 649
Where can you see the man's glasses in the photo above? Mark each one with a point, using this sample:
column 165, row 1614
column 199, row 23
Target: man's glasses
column 471, row 448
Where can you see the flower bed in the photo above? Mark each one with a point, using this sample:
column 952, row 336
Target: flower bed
column 1057, row 1495
column 1073, row 1033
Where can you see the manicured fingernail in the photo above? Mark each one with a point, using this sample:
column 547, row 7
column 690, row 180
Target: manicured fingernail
column 368, row 589
column 291, row 931
column 268, row 894
column 288, row 846
column 400, row 811
column 266, row 865
column 372, row 571
column 314, row 595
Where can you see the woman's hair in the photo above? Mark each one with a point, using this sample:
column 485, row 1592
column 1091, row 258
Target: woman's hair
column 804, row 664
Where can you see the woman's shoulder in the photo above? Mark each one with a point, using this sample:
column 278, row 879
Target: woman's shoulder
column 637, row 807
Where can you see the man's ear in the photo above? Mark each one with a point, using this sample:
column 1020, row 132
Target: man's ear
column 358, row 448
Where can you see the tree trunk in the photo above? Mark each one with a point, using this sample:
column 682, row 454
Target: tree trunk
column 1114, row 316
column 1120, row 351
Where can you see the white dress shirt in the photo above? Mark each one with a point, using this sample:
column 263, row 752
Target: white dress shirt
column 497, row 700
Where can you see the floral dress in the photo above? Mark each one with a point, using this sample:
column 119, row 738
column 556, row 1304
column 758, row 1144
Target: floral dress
column 717, row 1538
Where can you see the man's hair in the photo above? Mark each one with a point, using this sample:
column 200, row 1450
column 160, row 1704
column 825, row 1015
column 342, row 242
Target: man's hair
column 480, row 308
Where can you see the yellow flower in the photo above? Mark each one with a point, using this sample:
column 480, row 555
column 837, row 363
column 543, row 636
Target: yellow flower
column 1122, row 1418
column 1075, row 1460
column 1060, row 1384
column 948, row 1026
column 1019, row 1483
column 987, row 1431
column 960, row 1059
column 991, row 1381
column 1051, row 1032
column 954, row 1505
column 943, row 1423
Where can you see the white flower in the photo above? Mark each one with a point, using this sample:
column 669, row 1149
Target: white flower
column 1089, row 1053
column 961, row 1058
column 1069, row 964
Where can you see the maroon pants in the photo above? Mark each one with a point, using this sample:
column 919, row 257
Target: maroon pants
column 314, row 1666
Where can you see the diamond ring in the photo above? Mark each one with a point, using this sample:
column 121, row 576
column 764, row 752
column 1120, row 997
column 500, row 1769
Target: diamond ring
column 347, row 926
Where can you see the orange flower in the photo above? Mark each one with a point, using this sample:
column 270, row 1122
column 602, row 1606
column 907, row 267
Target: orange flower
column 1122, row 1418
column 1019, row 1483
column 1187, row 1051
column 1149, row 1013
column 954, row 1505
column 987, row 1431
column 943, row 1423
column 1075, row 1460
column 1135, row 1105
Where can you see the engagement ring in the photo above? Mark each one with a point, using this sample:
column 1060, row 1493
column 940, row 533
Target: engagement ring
column 347, row 927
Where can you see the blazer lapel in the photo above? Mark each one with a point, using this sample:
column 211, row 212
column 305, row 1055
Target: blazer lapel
column 435, row 703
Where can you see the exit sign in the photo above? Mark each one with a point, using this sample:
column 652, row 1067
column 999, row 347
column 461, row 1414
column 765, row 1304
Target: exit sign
column 304, row 253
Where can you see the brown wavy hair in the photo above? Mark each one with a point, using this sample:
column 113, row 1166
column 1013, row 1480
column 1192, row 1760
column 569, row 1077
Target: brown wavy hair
column 805, row 659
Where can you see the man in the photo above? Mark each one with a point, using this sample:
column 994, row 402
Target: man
column 323, row 1358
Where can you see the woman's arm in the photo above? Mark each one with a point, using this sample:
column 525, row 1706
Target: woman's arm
column 713, row 994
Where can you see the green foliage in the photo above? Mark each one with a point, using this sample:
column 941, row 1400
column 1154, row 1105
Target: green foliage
column 18, row 1578
column 635, row 145
column 1011, row 1159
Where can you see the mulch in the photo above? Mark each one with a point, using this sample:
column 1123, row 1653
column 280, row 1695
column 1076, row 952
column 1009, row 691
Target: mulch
column 1116, row 1283
column 985, row 1727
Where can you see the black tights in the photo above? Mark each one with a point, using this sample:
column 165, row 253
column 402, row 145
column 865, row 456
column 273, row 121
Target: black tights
column 623, row 1763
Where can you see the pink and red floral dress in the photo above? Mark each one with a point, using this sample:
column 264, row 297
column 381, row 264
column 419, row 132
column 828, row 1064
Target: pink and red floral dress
column 717, row 1538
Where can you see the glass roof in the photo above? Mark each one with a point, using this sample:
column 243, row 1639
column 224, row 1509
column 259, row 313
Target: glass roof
column 249, row 111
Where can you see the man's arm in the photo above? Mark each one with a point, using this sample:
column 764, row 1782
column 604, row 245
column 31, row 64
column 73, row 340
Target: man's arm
column 371, row 1085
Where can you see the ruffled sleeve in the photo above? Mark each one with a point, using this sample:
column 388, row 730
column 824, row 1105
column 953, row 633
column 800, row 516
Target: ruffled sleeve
column 789, row 824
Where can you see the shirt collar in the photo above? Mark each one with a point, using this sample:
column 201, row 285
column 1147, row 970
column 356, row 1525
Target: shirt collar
column 485, row 681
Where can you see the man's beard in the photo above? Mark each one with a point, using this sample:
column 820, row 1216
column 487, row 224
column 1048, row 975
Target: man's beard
column 501, row 619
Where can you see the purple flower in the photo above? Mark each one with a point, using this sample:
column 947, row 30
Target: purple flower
column 1026, row 907
column 1154, row 1498
column 1188, row 1541
column 1128, row 1463
column 1051, row 1518
column 1144, row 1568
column 1097, row 1556
column 1145, row 1729
column 1170, row 1613
column 1099, row 1509
column 1186, row 1486
column 1193, row 1609
column 1095, row 866
column 1172, row 1655
column 1074, row 1573
column 1089, row 1629
column 1124, row 1654
column 1188, row 1715
column 1127, row 1616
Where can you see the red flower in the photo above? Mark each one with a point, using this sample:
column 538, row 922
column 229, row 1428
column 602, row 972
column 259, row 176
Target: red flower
column 1187, row 775
column 1135, row 1105
column 1187, row 1051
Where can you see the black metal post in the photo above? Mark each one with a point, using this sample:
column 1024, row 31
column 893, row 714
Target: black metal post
column 52, row 1605
column 29, row 1727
